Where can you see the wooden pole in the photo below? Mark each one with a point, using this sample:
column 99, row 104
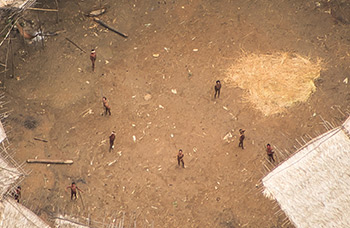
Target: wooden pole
column 12, row 61
column 76, row 45
column 110, row 28
column 47, row 10
column 82, row 201
column 47, row 161
column 57, row 11
column 7, row 55
column 42, row 140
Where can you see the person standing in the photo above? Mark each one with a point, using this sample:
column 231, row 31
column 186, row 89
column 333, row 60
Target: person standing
column 180, row 158
column 73, row 191
column 217, row 88
column 270, row 153
column 111, row 141
column 241, row 138
column 17, row 193
column 106, row 105
column 93, row 59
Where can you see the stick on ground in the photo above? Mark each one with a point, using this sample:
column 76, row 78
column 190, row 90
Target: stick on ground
column 47, row 161
column 110, row 28
column 41, row 9
column 42, row 140
column 76, row 45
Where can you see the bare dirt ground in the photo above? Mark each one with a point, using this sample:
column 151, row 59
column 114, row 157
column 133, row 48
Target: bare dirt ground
column 56, row 88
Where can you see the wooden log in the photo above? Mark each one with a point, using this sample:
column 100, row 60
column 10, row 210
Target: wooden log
column 40, row 9
column 110, row 28
column 47, row 161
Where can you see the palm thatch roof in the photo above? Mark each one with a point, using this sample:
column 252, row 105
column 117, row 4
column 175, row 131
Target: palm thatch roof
column 13, row 214
column 312, row 187
column 9, row 172
column 20, row 4
column 8, row 175
column 68, row 222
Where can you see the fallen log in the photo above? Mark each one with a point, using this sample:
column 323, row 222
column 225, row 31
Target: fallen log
column 41, row 9
column 110, row 28
column 47, row 161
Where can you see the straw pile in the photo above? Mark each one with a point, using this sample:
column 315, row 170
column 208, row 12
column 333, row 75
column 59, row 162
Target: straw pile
column 274, row 82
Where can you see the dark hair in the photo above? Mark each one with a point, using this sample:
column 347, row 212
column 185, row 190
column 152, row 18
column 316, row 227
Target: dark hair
column 268, row 144
column 19, row 187
column 92, row 49
column 105, row 98
column 180, row 150
column 218, row 81
column 73, row 182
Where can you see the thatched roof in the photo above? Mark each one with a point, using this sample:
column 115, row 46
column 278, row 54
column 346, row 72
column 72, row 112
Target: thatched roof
column 2, row 133
column 346, row 126
column 68, row 222
column 312, row 187
column 16, row 3
column 13, row 214
column 8, row 175
column 9, row 172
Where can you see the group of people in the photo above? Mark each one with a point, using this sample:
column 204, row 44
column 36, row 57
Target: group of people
column 269, row 150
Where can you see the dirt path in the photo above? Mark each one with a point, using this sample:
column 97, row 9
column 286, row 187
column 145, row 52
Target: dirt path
column 196, row 42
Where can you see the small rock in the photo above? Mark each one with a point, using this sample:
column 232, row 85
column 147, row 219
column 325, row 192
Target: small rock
column 174, row 91
column 346, row 80
column 134, row 138
column 195, row 49
column 147, row 97
column 155, row 55
column 160, row 106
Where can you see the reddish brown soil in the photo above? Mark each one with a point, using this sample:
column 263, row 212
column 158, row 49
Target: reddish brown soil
column 218, row 186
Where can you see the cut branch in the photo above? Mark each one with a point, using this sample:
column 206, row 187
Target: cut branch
column 110, row 28
column 76, row 45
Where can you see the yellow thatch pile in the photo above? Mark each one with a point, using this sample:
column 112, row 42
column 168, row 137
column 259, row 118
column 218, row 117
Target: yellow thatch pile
column 275, row 81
